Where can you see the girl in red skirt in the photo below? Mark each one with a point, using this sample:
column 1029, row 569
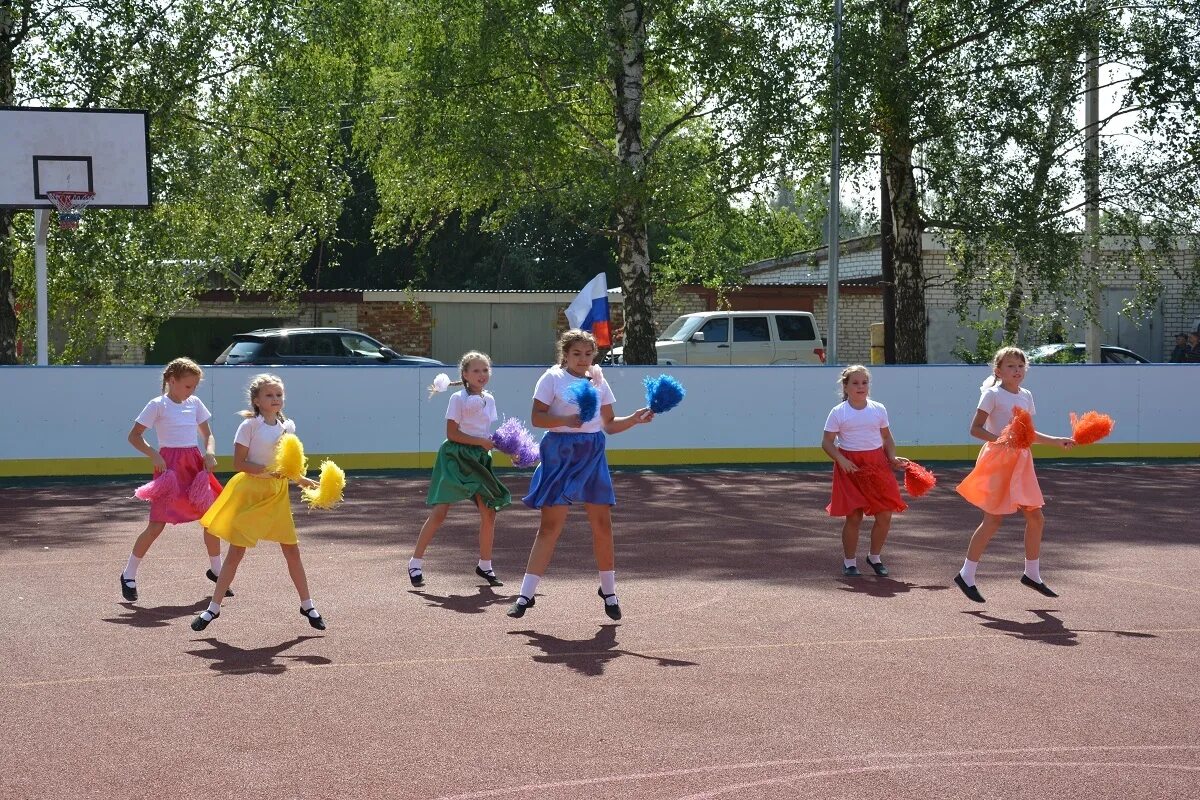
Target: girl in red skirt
column 860, row 443
column 184, row 486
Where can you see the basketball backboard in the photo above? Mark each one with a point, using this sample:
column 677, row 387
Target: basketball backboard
column 104, row 151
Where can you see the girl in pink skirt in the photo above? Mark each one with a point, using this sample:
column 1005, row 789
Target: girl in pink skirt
column 184, row 486
column 859, row 441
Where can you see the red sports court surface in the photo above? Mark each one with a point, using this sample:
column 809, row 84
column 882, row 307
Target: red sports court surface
column 745, row 666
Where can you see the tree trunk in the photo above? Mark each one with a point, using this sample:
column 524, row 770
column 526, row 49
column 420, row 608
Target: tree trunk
column 896, row 141
column 8, row 89
column 627, row 41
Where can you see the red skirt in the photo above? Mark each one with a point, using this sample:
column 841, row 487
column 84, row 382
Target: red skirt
column 177, row 507
column 873, row 488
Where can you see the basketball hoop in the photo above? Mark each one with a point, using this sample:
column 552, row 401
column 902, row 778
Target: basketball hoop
column 70, row 205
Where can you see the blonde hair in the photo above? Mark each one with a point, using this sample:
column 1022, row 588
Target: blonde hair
column 256, row 384
column 845, row 377
column 998, row 359
column 463, row 363
column 571, row 337
column 178, row 368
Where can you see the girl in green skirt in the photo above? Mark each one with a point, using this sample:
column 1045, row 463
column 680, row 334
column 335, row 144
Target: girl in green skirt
column 463, row 470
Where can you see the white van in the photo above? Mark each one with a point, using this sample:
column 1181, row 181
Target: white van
column 740, row 337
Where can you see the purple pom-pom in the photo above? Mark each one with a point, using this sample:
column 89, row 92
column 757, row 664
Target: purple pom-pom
column 514, row 440
column 663, row 393
column 165, row 486
column 584, row 395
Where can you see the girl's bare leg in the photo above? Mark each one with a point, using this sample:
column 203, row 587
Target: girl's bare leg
column 983, row 534
column 850, row 533
column 228, row 570
column 600, row 518
column 291, row 554
column 1035, row 523
column 553, row 520
column 434, row 521
column 487, row 529
column 142, row 545
column 212, row 544
column 879, row 531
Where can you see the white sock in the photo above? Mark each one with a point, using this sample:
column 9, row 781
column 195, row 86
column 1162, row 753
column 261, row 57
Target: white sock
column 486, row 566
column 874, row 558
column 968, row 571
column 608, row 585
column 850, row 562
column 307, row 605
column 215, row 563
column 130, row 573
column 529, row 586
column 415, row 563
column 214, row 608
column 1033, row 570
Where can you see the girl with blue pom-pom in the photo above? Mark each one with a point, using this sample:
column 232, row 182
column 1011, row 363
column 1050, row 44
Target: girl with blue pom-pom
column 574, row 401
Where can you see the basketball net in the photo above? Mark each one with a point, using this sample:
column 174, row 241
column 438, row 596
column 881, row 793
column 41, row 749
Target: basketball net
column 70, row 205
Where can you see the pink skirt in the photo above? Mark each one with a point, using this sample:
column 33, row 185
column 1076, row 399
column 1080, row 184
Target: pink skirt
column 1003, row 480
column 179, row 507
column 873, row 488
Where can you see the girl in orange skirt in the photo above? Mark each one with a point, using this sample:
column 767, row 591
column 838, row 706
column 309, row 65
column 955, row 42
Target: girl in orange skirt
column 1003, row 480
column 859, row 441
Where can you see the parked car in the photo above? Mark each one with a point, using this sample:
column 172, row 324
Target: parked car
column 1077, row 354
column 739, row 337
column 328, row 346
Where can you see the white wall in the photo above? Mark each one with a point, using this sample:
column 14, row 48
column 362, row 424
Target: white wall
column 62, row 415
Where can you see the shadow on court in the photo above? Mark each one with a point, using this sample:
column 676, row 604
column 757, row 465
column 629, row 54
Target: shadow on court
column 270, row 660
column 588, row 656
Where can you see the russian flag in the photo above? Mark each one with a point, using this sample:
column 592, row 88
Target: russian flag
column 589, row 310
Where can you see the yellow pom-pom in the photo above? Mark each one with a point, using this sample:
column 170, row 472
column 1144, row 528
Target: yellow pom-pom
column 329, row 492
column 289, row 461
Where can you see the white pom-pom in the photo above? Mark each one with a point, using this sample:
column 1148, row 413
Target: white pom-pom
column 596, row 374
column 441, row 382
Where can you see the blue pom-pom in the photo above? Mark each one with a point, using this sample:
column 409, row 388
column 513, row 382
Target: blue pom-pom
column 584, row 395
column 663, row 393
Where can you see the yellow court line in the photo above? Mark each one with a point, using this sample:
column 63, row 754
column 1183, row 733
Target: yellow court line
column 94, row 679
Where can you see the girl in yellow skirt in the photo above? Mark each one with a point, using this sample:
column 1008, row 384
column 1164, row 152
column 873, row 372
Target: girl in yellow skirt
column 463, row 470
column 255, row 503
column 1003, row 481
column 858, row 438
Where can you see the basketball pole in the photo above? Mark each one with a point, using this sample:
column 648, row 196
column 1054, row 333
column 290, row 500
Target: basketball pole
column 42, row 226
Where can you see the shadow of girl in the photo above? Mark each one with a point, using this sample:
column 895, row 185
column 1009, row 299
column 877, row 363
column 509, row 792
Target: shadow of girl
column 231, row 660
column 588, row 656
column 464, row 603
column 154, row 617
column 1049, row 629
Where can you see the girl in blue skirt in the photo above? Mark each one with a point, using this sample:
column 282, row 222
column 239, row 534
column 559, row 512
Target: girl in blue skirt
column 574, row 468
column 463, row 470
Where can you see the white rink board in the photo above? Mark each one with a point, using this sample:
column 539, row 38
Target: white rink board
column 101, row 150
column 86, row 412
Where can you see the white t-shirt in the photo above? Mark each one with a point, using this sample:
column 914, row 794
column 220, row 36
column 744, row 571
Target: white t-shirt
column 474, row 413
column 260, row 438
column 552, row 388
column 174, row 423
column 858, row 429
column 999, row 403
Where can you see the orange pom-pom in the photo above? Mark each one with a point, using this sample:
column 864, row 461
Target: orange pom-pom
column 918, row 480
column 1091, row 427
column 1019, row 433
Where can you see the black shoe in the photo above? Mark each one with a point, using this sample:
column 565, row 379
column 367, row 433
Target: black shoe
column 851, row 572
column 416, row 576
column 205, row 617
column 879, row 568
column 128, row 589
column 489, row 576
column 212, row 576
column 1041, row 587
column 613, row 610
column 972, row 592
column 517, row 609
column 317, row 622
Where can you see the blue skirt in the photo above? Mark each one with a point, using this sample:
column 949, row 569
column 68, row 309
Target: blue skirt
column 574, row 469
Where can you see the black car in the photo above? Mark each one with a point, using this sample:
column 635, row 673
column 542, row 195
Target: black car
column 1077, row 354
column 327, row 346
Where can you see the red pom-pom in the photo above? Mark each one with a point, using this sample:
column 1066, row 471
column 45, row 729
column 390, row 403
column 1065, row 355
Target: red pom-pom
column 1091, row 427
column 918, row 480
column 1019, row 433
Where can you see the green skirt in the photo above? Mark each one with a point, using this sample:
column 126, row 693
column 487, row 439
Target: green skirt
column 463, row 471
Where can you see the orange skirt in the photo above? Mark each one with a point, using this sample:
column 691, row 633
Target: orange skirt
column 873, row 488
column 1003, row 480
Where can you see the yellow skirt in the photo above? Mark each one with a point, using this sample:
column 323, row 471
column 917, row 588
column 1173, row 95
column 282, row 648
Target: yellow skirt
column 251, row 509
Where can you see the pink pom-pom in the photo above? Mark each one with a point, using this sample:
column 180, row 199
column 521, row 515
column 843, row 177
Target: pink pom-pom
column 165, row 486
column 200, row 493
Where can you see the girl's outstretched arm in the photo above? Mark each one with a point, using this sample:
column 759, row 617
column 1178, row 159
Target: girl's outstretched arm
column 1065, row 442
column 210, row 446
column 137, row 439
column 614, row 424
